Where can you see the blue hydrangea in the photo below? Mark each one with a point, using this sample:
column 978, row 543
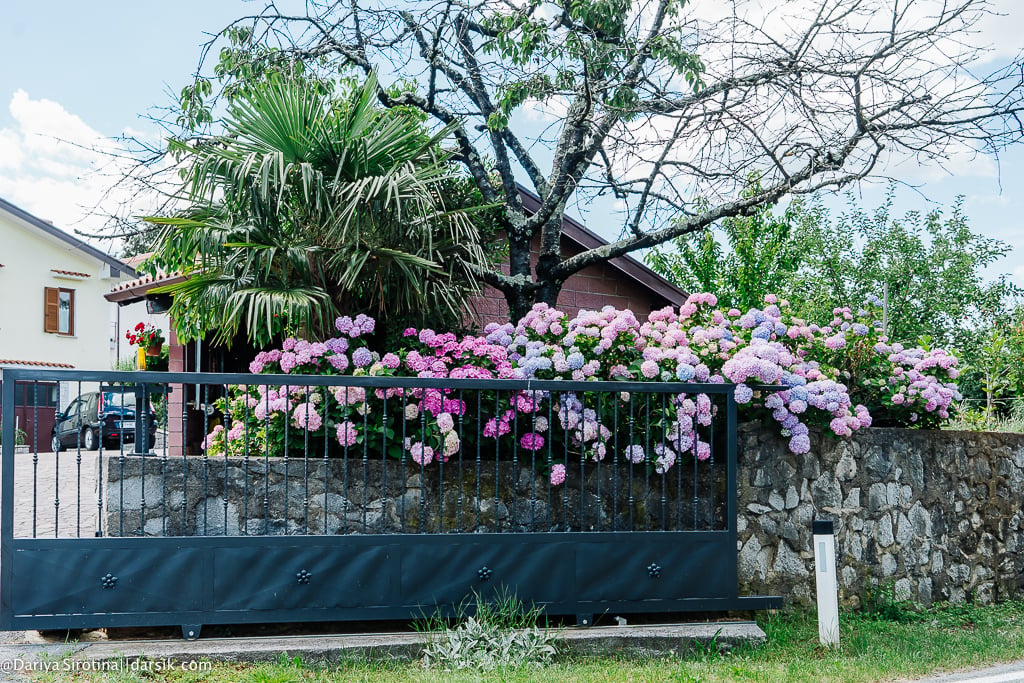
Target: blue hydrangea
column 762, row 332
column 575, row 360
column 684, row 372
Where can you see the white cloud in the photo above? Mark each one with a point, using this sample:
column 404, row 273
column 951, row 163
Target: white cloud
column 56, row 166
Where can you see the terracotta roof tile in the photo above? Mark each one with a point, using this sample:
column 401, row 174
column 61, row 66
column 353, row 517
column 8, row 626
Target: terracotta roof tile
column 35, row 363
column 132, row 290
column 69, row 273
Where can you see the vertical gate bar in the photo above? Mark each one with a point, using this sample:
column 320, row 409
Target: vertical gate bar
column 266, row 459
column 141, row 407
column 35, row 456
column 366, row 454
column 121, row 476
column 731, row 493
column 35, row 482
column 497, row 454
column 563, row 412
column 344, row 465
column 78, row 467
column 184, row 453
column 711, row 480
column 99, row 491
column 422, row 459
column 696, row 435
column 228, row 426
column 479, row 444
column 163, row 453
column 7, row 497
column 286, row 390
column 677, row 402
column 440, row 456
column 405, row 434
column 99, row 462
column 462, row 437
column 551, row 442
column 206, row 458
column 383, row 460
column 514, row 397
column 583, row 454
column 533, row 463
column 327, row 450
column 305, row 466
column 647, row 470
column 632, row 438
column 35, row 415
column 616, row 399
column 664, row 474
column 243, row 528
column 598, row 456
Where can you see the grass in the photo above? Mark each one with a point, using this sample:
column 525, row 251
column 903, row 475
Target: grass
column 906, row 644
column 977, row 419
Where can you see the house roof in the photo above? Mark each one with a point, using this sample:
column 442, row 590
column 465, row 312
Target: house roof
column 34, row 363
column 627, row 265
column 131, row 291
column 53, row 231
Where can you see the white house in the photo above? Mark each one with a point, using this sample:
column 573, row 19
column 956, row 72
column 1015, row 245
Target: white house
column 52, row 308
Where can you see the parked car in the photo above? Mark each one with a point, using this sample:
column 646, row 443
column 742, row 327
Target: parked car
column 108, row 414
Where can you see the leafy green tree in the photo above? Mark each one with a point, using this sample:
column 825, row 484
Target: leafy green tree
column 309, row 204
column 655, row 104
column 758, row 256
column 931, row 264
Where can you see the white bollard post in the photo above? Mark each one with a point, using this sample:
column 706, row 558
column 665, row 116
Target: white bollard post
column 825, row 577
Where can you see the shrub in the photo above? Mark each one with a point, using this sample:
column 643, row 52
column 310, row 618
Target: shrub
column 841, row 376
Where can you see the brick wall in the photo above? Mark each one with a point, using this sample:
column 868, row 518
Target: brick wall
column 590, row 289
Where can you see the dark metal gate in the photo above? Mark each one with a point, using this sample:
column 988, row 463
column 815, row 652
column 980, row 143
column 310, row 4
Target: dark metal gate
column 581, row 497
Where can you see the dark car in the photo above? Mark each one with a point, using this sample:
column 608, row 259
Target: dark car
column 108, row 414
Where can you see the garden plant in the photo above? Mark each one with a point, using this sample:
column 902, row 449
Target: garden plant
column 839, row 377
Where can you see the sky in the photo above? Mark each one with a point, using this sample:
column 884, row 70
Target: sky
column 77, row 75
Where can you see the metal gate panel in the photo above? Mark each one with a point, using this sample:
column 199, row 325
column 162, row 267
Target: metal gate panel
column 535, row 570
column 313, row 577
column 93, row 578
column 662, row 544
column 677, row 565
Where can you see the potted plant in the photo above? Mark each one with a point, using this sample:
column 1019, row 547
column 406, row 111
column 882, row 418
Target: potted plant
column 149, row 338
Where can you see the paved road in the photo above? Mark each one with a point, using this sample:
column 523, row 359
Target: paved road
column 1004, row 673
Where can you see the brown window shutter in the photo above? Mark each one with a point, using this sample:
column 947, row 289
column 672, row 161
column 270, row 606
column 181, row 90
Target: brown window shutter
column 51, row 309
column 71, row 313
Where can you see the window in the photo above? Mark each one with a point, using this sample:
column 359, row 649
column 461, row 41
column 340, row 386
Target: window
column 59, row 311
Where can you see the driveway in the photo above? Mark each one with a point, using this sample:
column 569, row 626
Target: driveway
column 38, row 511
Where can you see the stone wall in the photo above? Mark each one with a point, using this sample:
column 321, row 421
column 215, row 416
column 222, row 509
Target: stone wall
column 218, row 496
column 936, row 514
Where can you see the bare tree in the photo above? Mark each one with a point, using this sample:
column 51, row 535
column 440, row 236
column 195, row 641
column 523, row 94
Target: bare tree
column 668, row 105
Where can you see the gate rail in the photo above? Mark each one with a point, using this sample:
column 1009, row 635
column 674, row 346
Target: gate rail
column 326, row 498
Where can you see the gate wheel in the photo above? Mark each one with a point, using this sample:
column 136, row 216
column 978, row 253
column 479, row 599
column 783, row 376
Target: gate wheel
column 191, row 631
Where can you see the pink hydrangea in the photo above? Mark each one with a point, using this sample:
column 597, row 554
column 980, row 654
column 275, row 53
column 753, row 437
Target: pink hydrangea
column 532, row 441
column 557, row 474
column 305, row 416
column 346, row 434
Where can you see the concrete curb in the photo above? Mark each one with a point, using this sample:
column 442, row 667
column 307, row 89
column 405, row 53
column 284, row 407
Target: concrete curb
column 651, row 640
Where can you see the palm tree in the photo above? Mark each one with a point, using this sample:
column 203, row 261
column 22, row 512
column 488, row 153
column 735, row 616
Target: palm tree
column 308, row 206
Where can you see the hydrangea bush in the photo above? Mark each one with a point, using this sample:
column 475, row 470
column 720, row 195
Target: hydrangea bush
column 840, row 377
